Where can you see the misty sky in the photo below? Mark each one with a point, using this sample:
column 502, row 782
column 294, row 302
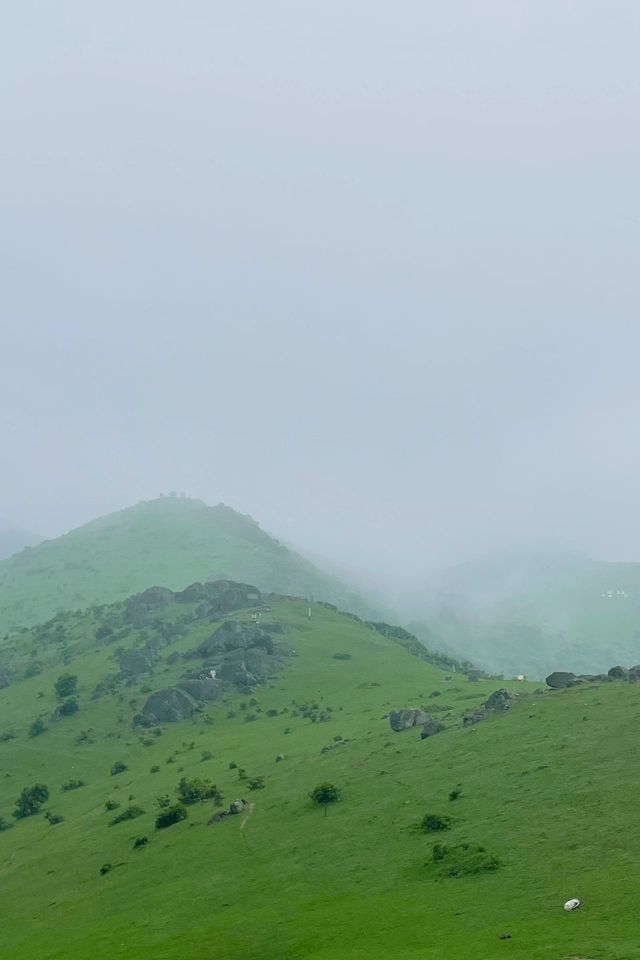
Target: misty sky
column 367, row 271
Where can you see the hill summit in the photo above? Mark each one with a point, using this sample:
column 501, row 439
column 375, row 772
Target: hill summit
column 169, row 541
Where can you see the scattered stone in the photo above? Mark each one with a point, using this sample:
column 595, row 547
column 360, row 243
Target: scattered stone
column 407, row 718
column 499, row 701
column 560, row 680
column 280, row 758
column 430, row 728
column 237, row 806
column 472, row 717
column 505, row 936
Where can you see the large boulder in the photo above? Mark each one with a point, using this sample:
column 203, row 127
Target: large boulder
column 406, row 718
column 205, row 690
column 430, row 728
column 499, row 701
column 634, row 673
column 471, row 717
column 618, row 673
column 561, row 679
column 168, row 706
column 234, row 635
column 134, row 662
column 138, row 608
column 221, row 596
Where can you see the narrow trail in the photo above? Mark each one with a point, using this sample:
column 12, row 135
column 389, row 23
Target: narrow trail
column 250, row 808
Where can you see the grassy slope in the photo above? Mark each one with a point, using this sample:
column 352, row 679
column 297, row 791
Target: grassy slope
column 549, row 788
column 541, row 616
column 169, row 541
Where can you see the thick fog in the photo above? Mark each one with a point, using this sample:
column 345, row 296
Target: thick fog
column 366, row 271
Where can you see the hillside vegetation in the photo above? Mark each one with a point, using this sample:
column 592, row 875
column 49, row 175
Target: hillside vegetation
column 533, row 804
column 532, row 615
column 169, row 541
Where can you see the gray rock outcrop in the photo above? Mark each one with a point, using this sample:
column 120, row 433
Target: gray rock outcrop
column 406, row 718
column 561, row 679
column 430, row 728
column 499, row 701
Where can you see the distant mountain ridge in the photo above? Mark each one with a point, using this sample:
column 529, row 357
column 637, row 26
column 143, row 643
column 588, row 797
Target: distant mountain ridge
column 167, row 542
column 13, row 539
column 532, row 614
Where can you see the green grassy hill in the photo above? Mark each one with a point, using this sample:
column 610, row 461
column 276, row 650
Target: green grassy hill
column 169, row 541
column 546, row 789
column 533, row 615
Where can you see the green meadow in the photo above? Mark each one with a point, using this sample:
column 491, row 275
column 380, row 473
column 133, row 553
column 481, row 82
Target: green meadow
column 547, row 790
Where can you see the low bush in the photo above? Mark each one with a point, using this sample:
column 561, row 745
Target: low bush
column 31, row 800
column 72, row 785
column 171, row 815
column 68, row 707
column 129, row 813
column 463, row 860
column 37, row 727
column 256, row 784
column 432, row 822
column 53, row 817
column 195, row 790
column 118, row 767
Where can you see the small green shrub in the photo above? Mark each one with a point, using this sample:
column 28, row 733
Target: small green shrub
column 341, row 656
column 129, row 813
column 463, row 860
column 72, row 785
column 171, row 815
column 195, row 790
column 68, row 707
column 66, row 686
column 455, row 794
column 4, row 825
column 53, row 817
column 432, row 822
column 140, row 842
column 118, row 767
column 324, row 794
column 31, row 800
column 256, row 784
column 111, row 804
column 37, row 727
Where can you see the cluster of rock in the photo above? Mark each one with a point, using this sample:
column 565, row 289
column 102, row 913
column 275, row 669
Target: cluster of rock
column 235, row 808
column 406, row 718
column 561, row 679
column 179, row 702
column 215, row 599
column 240, row 653
column 498, row 702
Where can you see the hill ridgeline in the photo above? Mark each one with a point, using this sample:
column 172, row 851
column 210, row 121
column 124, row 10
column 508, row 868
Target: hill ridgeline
column 170, row 542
